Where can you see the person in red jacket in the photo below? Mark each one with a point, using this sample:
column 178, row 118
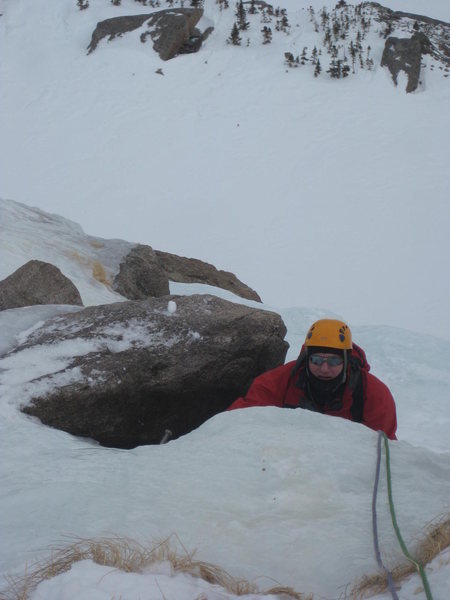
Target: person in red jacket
column 331, row 376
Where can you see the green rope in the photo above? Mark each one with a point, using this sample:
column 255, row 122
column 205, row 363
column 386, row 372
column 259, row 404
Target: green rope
column 418, row 566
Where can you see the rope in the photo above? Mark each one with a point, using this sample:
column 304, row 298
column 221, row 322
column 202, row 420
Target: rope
column 417, row 565
column 375, row 524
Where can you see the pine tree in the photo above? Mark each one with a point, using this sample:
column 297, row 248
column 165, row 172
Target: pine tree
column 369, row 61
column 241, row 15
column 336, row 28
column 318, row 69
column 387, row 32
column 235, row 38
column 284, row 24
column 335, row 69
column 265, row 17
column 267, row 34
column 252, row 10
column 303, row 58
column 289, row 59
column 353, row 53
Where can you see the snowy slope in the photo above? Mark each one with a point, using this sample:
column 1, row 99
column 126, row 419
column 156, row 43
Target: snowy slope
column 314, row 192
column 268, row 495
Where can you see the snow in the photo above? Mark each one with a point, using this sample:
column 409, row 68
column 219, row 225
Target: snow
column 245, row 489
column 329, row 198
column 171, row 307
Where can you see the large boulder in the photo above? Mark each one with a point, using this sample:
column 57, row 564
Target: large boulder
column 141, row 275
column 37, row 282
column 192, row 270
column 147, row 367
column 172, row 31
column 405, row 54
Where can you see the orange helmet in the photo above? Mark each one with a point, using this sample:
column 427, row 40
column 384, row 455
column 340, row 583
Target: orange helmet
column 329, row 333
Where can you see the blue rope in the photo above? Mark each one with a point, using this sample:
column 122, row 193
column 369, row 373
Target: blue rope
column 390, row 582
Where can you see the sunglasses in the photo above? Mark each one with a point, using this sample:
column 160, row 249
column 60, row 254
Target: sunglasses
column 332, row 361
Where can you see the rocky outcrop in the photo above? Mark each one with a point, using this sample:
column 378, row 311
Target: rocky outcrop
column 148, row 367
column 432, row 35
column 172, row 31
column 403, row 54
column 37, row 282
column 192, row 270
column 141, row 275
column 145, row 273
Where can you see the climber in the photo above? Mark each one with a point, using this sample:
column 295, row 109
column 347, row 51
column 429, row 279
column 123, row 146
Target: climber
column 330, row 376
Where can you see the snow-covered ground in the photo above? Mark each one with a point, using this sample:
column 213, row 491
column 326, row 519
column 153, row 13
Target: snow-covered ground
column 327, row 197
column 269, row 495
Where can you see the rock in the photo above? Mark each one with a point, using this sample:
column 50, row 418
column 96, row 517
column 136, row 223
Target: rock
column 170, row 30
column 405, row 54
column 141, row 275
column 37, row 282
column 192, row 270
column 431, row 37
column 145, row 273
column 147, row 368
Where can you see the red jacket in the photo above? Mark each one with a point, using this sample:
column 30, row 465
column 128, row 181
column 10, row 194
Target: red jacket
column 283, row 387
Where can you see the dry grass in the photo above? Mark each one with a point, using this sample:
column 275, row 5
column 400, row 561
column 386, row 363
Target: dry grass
column 96, row 244
column 130, row 556
column 435, row 541
column 98, row 270
column 99, row 273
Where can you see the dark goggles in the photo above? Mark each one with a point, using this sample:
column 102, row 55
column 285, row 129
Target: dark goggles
column 332, row 361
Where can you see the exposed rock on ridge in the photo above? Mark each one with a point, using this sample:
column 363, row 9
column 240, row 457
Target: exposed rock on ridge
column 141, row 275
column 170, row 30
column 430, row 36
column 403, row 54
column 145, row 273
column 192, row 270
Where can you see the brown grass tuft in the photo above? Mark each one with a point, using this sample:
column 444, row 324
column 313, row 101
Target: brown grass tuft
column 96, row 244
column 98, row 270
column 435, row 541
column 130, row 556
column 99, row 273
